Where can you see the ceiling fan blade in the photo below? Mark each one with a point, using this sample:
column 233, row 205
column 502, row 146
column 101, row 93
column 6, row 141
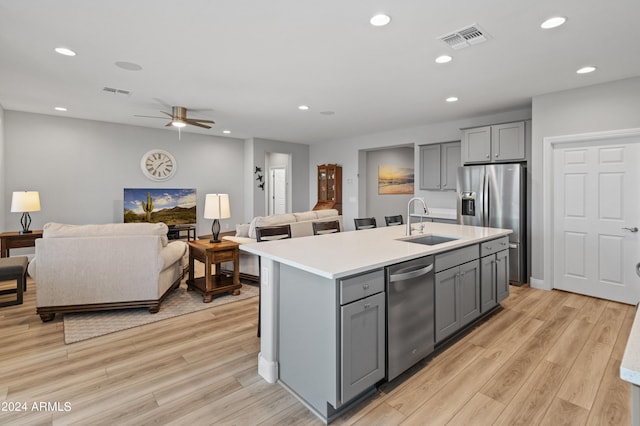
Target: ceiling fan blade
column 195, row 123
column 168, row 124
column 201, row 121
column 148, row 116
column 166, row 113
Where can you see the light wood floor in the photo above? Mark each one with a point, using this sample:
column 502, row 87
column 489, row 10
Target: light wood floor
column 548, row 358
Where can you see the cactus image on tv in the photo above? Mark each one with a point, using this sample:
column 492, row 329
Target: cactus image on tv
column 170, row 206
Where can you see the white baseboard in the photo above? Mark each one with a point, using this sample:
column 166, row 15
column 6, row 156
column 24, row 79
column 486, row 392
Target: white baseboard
column 539, row 284
column 268, row 370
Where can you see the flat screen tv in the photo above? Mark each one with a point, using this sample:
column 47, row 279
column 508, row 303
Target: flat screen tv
column 171, row 206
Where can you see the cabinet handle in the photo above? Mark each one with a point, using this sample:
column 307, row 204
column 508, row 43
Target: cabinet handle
column 365, row 286
column 496, row 155
column 444, row 184
column 487, row 155
column 367, row 305
column 462, row 274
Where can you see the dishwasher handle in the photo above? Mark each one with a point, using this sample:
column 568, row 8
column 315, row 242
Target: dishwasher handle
column 411, row 274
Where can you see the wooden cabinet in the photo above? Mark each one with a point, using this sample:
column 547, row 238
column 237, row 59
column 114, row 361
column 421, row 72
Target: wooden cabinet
column 496, row 143
column 329, row 187
column 439, row 165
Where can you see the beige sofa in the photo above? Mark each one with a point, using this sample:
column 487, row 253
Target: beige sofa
column 97, row 267
column 301, row 226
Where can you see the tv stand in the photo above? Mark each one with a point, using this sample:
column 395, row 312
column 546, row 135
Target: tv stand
column 175, row 232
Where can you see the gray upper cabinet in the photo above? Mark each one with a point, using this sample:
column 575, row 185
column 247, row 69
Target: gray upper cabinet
column 438, row 166
column 489, row 144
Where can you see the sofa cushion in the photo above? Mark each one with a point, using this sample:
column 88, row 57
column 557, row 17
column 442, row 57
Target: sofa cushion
column 303, row 216
column 60, row 230
column 276, row 219
column 327, row 213
column 172, row 253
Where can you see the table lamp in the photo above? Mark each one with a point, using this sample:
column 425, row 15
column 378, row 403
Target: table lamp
column 25, row 202
column 216, row 206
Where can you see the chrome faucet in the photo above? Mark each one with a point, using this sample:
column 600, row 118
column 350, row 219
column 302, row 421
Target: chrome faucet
column 424, row 206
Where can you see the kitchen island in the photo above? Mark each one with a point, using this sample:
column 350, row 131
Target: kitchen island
column 323, row 304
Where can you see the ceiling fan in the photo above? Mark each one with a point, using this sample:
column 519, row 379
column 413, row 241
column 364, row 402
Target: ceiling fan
column 179, row 118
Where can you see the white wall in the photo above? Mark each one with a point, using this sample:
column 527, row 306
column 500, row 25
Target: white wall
column 381, row 205
column 80, row 167
column 609, row 106
column 3, row 181
column 299, row 174
column 345, row 152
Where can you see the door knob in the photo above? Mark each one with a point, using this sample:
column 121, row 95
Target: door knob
column 633, row 229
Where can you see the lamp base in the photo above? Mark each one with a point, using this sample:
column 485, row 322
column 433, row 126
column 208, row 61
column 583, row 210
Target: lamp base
column 215, row 231
column 22, row 232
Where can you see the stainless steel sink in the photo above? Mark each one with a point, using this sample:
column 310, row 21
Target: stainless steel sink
column 430, row 240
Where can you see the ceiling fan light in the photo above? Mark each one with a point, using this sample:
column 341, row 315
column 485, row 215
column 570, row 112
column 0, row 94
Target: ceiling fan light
column 176, row 123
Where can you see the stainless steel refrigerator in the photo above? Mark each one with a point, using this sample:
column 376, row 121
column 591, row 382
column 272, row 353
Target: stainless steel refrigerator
column 494, row 195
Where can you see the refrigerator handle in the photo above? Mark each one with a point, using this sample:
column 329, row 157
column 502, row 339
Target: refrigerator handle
column 485, row 200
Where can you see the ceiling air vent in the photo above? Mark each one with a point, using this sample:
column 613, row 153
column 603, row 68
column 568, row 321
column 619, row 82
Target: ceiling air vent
column 465, row 37
column 115, row 91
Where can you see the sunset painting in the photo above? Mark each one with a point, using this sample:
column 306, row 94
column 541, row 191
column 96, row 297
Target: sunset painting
column 395, row 180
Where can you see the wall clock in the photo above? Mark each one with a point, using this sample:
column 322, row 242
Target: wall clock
column 158, row 165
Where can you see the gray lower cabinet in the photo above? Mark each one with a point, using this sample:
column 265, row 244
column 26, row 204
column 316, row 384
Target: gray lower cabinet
column 494, row 269
column 457, row 297
column 331, row 337
column 362, row 339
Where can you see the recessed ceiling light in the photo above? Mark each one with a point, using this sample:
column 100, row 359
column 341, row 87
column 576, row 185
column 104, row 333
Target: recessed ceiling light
column 452, row 99
column 303, row 107
column 60, row 109
column 380, row 20
column 443, row 59
column 64, row 51
column 586, row 70
column 129, row 66
column 226, row 132
column 553, row 22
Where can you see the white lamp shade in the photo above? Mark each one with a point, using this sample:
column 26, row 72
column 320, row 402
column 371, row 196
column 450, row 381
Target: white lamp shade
column 216, row 206
column 25, row 201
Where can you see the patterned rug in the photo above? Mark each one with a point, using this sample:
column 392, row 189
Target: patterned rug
column 82, row 326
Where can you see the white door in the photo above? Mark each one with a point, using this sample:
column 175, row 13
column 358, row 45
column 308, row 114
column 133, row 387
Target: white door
column 278, row 191
column 596, row 214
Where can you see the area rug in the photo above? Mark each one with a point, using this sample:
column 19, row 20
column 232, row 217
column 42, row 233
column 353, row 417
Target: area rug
column 83, row 326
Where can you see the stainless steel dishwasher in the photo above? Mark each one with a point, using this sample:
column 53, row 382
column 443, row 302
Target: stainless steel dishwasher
column 410, row 314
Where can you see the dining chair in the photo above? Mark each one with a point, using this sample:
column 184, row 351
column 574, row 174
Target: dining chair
column 365, row 223
column 327, row 227
column 268, row 233
column 394, row 220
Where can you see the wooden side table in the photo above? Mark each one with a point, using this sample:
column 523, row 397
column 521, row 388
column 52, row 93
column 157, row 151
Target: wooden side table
column 212, row 254
column 11, row 240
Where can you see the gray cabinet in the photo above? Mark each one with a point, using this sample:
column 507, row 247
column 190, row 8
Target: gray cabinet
column 457, row 290
column 500, row 142
column 494, row 270
column 362, row 340
column 331, row 336
column 494, row 281
column 438, row 166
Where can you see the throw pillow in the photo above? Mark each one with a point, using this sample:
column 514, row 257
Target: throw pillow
column 242, row 230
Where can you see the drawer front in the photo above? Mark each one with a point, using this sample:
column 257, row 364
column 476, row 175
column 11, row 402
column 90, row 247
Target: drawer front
column 456, row 257
column 494, row 246
column 223, row 256
column 359, row 286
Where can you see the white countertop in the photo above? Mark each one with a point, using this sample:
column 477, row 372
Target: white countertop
column 346, row 253
column 630, row 366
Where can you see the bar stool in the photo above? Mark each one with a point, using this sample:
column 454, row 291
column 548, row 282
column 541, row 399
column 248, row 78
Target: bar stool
column 394, row 220
column 14, row 268
column 365, row 223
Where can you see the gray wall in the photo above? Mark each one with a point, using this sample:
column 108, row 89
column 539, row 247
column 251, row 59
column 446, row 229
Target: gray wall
column 381, row 205
column 80, row 167
column 601, row 107
column 299, row 174
column 348, row 153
